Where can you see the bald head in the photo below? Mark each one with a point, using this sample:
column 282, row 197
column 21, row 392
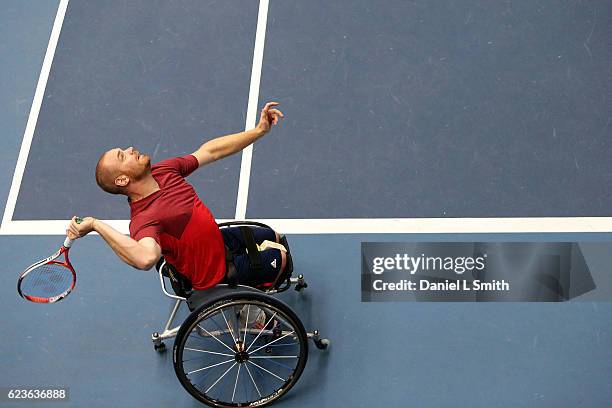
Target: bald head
column 119, row 171
column 106, row 172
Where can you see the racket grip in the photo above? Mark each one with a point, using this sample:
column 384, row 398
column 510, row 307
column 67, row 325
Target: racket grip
column 68, row 242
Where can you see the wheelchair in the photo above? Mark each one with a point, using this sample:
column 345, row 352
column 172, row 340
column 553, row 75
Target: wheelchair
column 239, row 346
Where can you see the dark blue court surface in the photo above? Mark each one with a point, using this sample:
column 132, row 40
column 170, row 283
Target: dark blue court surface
column 437, row 109
column 160, row 76
column 423, row 354
column 401, row 109
column 393, row 109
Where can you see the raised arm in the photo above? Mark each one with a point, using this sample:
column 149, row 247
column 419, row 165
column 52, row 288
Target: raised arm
column 224, row 146
column 141, row 254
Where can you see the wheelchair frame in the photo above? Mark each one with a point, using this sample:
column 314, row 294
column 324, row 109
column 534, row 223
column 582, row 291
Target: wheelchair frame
column 264, row 297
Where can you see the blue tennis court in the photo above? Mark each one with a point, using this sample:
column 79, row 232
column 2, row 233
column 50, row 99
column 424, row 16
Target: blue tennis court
column 404, row 121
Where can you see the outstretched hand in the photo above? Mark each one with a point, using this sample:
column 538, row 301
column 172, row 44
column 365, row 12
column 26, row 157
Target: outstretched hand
column 269, row 116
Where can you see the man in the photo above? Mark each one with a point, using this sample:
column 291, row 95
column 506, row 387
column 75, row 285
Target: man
column 168, row 218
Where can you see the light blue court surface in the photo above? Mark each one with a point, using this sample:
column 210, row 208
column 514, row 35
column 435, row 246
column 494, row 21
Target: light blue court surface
column 474, row 114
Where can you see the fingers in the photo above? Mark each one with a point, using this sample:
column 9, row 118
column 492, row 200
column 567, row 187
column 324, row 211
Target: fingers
column 275, row 114
column 75, row 232
column 270, row 116
column 269, row 105
column 73, row 225
column 73, row 229
column 70, row 231
column 71, row 235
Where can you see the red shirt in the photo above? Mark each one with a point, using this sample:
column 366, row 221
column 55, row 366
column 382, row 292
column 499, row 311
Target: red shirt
column 181, row 224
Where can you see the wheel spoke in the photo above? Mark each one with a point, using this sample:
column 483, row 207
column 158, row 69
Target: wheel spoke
column 267, row 371
column 246, row 323
column 283, row 322
column 259, row 334
column 272, row 342
column 210, row 366
column 268, row 357
column 250, row 375
column 236, row 383
column 219, row 379
column 209, row 352
column 215, row 337
column 230, row 329
column 283, row 344
column 285, row 366
column 212, row 318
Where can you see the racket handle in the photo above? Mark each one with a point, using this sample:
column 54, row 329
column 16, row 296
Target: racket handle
column 68, row 242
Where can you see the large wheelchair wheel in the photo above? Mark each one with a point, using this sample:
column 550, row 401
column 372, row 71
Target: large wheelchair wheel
column 244, row 349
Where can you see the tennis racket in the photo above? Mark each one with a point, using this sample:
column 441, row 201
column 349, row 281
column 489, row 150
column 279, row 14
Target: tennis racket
column 51, row 279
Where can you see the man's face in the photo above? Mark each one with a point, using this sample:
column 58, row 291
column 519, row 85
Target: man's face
column 128, row 162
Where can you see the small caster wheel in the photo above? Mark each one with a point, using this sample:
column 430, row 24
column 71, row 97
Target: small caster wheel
column 161, row 347
column 301, row 284
column 322, row 344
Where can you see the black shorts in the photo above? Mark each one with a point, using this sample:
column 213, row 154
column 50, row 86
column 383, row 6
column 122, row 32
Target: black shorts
column 270, row 258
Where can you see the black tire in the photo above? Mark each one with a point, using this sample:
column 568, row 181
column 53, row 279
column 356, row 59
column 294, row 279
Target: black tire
column 199, row 346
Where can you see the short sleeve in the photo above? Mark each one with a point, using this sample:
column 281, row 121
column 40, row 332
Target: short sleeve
column 151, row 229
column 183, row 165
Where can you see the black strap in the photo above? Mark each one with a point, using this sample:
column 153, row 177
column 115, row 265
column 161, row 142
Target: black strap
column 252, row 251
column 231, row 276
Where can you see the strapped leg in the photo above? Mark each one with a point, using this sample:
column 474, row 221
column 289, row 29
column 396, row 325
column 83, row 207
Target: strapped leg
column 252, row 266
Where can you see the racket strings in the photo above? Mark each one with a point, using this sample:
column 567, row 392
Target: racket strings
column 47, row 280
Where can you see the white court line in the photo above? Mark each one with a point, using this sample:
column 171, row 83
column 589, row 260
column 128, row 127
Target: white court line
column 370, row 225
column 56, row 227
column 33, row 117
column 247, row 153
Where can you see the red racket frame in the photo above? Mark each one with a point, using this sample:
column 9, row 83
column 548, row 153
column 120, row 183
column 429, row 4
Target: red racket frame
column 50, row 261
